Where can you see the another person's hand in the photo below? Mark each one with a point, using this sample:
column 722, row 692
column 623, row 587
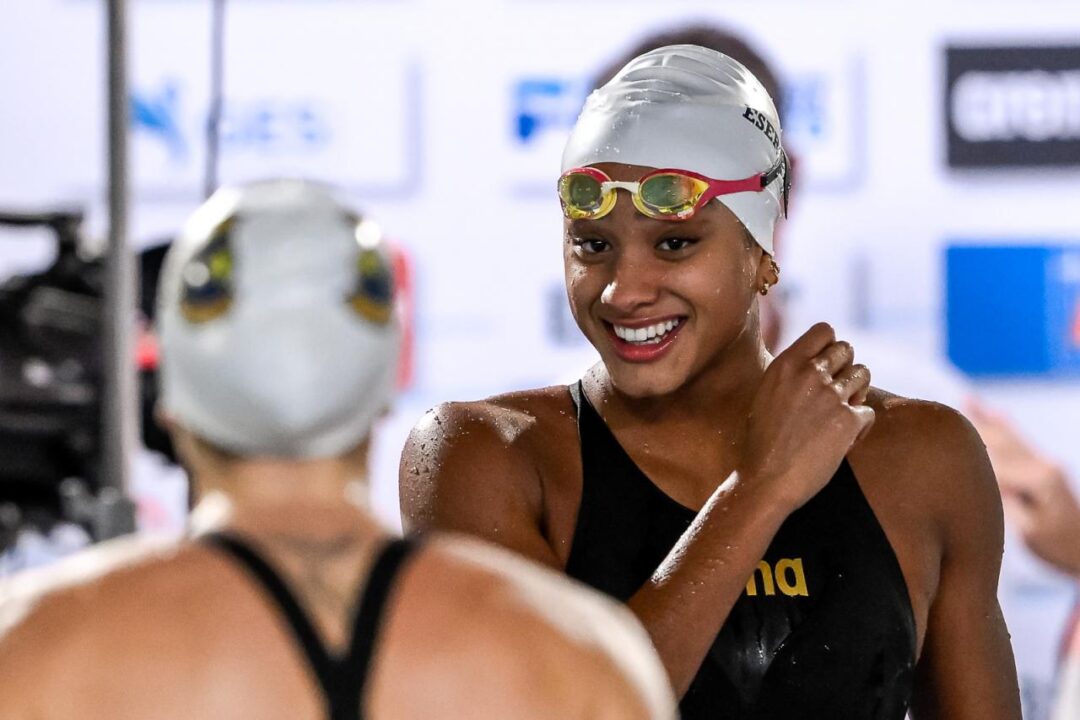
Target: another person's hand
column 1035, row 492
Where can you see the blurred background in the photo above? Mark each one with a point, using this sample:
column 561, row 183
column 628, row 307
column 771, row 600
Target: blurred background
column 936, row 221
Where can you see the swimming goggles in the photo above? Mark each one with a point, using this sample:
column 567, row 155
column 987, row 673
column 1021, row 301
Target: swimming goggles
column 589, row 194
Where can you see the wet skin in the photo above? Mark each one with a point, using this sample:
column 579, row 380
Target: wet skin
column 719, row 425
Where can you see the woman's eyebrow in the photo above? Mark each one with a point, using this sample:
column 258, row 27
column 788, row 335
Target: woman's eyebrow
column 584, row 224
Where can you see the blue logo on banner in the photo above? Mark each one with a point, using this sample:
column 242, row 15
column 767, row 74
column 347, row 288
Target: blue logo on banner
column 158, row 113
column 1014, row 310
column 275, row 126
column 805, row 107
column 542, row 104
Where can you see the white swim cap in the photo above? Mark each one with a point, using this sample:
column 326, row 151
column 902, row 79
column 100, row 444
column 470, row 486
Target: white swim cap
column 691, row 108
column 277, row 322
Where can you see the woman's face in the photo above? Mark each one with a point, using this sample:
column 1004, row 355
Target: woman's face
column 660, row 300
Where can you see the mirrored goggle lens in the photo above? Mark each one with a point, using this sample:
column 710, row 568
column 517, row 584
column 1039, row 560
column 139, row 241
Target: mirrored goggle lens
column 671, row 194
column 581, row 194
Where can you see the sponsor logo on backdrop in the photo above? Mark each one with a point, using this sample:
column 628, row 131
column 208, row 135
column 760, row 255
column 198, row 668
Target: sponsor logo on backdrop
column 267, row 125
column 156, row 112
column 825, row 122
column 805, row 106
column 276, row 126
column 546, row 104
column 307, row 129
column 541, row 111
column 1013, row 309
column 1016, row 106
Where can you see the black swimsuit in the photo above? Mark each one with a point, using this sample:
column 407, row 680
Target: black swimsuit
column 342, row 678
column 824, row 629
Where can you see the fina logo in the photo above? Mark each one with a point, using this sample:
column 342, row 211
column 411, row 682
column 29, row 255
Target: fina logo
column 1016, row 106
column 544, row 104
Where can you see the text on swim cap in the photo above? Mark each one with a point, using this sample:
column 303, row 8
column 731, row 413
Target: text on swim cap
column 763, row 124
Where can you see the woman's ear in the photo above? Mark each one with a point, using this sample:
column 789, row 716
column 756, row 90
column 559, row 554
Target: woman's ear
column 768, row 273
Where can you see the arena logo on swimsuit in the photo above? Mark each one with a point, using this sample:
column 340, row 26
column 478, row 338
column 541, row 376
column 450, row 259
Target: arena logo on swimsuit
column 763, row 124
column 787, row 576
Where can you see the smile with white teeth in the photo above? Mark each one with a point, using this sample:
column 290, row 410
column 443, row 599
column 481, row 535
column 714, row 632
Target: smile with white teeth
column 646, row 335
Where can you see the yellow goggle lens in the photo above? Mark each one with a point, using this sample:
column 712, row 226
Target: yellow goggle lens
column 670, row 194
column 582, row 196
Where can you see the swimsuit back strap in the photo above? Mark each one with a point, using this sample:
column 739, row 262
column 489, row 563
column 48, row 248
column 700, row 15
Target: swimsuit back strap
column 343, row 679
column 355, row 668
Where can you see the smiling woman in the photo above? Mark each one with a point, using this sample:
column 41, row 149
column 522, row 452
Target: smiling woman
column 790, row 536
column 627, row 274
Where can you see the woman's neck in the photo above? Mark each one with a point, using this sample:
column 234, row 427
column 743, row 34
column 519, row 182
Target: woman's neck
column 317, row 498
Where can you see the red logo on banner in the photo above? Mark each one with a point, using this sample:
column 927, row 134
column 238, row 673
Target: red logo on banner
column 403, row 277
column 1076, row 325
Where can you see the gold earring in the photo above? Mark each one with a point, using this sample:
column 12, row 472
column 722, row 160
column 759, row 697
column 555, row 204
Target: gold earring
column 765, row 287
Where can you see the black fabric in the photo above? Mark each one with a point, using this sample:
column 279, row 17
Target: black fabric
column 342, row 679
column 828, row 634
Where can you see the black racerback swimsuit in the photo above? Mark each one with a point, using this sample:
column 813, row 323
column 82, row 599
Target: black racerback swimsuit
column 824, row 629
column 342, row 679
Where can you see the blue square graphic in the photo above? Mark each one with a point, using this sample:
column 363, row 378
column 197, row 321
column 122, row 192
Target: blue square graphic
column 1013, row 310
